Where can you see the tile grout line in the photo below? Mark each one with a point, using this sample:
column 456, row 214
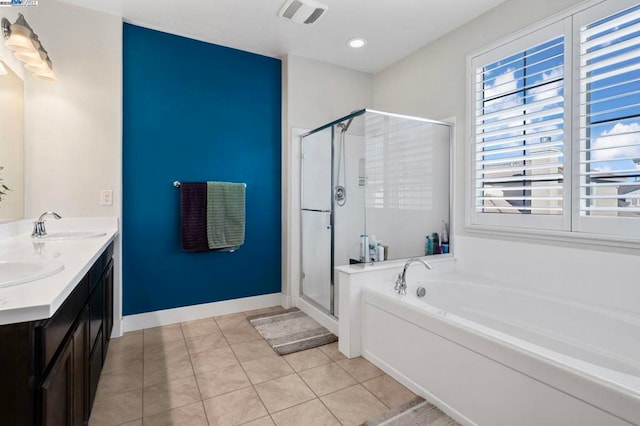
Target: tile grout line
column 251, row 384
column 167, row 381
column 331, row 360
column 305, row 382
column 245, row 373
column 361, row 383
column 194, row 373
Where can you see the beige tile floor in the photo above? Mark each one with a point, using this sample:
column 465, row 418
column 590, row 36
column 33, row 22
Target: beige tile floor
column 220, row 371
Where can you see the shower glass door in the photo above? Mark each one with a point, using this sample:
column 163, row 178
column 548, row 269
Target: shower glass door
column 317, row 219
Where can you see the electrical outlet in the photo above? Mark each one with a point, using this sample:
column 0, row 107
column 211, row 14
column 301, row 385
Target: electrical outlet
column 106, row 197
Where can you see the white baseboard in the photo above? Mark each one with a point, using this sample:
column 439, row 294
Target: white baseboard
column 118, row 328
column 194, row 312
column 286, row 301
column 325, row 320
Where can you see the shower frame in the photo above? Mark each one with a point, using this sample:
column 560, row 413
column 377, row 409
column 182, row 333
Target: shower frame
column 332, row 125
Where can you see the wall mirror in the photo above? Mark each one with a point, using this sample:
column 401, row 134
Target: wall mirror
column 11, row 144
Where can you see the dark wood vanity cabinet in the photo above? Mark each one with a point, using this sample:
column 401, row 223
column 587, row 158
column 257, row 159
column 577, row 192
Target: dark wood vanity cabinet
column 49, row 369
column 63, row 390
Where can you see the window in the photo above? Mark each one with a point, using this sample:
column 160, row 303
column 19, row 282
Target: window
column 531, row 168
column 609, row 106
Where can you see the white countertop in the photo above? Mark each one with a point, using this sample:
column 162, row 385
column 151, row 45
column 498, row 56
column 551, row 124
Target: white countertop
column 40, row 299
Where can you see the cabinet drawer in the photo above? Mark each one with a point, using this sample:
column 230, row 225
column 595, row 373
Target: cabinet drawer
column 53, row 331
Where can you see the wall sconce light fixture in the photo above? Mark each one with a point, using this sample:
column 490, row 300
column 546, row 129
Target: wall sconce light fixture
column 26, row 46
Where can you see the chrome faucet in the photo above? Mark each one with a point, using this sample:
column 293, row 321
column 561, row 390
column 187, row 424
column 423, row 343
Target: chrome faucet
column 38, row 226
column 401, row 282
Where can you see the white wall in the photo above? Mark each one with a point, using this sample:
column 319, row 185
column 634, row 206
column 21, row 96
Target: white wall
column 74, row 125
column 318, row 93
column 314, row 93
column 431, row 83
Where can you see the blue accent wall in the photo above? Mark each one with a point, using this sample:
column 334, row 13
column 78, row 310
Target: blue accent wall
column 194, row 111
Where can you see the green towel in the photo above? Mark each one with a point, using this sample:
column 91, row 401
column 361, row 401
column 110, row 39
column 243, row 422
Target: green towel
column 225, row 215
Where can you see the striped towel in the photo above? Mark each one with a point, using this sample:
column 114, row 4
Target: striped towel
column 225, row 215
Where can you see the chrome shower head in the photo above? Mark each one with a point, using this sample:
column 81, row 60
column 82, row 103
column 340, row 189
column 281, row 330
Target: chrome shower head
column 344, row 127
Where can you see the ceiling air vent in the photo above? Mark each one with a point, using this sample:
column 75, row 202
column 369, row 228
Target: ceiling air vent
column 302, row 11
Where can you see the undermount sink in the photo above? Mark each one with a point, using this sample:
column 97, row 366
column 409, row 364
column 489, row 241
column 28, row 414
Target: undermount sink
column 14, row 272
column 70, row 235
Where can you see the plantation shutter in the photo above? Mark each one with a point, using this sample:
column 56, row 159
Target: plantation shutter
column 519, row 143
column 610, row 118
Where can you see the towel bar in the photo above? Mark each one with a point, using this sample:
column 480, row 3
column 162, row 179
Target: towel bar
column 177, row 184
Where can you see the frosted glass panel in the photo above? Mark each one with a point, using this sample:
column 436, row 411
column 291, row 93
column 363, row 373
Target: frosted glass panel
column 349, row 217
column 316, row 257
column 408, row 188
column 316, row 171
column 374, row 173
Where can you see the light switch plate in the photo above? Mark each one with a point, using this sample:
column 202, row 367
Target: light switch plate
column 106, row 197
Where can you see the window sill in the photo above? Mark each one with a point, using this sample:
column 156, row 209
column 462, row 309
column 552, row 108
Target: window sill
column 581, row 238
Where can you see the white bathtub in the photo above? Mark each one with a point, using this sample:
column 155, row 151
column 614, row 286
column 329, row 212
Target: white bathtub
column 488, row 355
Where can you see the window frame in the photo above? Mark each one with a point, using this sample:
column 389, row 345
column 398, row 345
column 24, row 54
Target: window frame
column 556, row 222
column 570, row 226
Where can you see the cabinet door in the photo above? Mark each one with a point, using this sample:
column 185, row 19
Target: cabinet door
column 107, row 323
column 96, row 314
column 81, row 370
column 95, row 367
column 57, row 390
column 17, row 360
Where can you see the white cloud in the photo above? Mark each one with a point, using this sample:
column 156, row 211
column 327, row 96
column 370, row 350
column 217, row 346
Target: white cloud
column 617, row 143
column 503, row 83
column 544, row 92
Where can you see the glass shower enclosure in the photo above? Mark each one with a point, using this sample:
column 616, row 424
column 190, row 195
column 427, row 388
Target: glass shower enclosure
column 366, row 174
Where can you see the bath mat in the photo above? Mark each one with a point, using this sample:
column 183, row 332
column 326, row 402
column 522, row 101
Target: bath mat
column 291, row 331
column 416, row 412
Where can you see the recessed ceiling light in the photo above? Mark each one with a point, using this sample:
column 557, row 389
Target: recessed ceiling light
column 357, row 42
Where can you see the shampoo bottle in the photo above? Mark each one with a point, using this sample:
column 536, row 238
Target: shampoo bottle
column 445, row 238
column 364, row 247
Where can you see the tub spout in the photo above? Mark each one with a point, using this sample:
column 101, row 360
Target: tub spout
column 401, row 281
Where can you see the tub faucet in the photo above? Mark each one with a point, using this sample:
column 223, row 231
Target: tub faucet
column 38, row 226
column 401, row 282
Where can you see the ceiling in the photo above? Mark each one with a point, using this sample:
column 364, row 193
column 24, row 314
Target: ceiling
column 393, row 28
